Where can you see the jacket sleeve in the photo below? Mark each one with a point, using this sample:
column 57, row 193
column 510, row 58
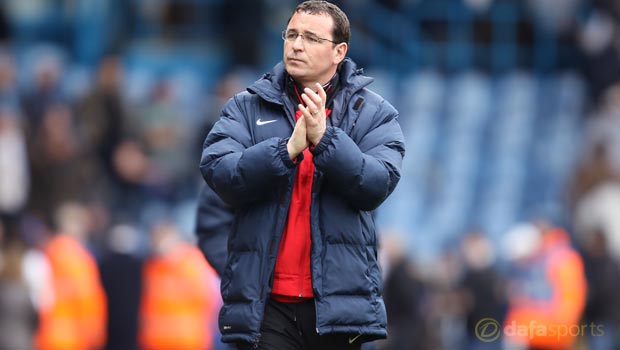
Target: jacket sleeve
column 367, row 172
column 239, row 171
column 213, row 223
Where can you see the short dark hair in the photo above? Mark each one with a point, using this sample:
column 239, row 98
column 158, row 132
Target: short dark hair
column 342, row 29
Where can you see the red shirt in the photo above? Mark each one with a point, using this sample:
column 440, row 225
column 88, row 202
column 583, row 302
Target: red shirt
column 292, row 280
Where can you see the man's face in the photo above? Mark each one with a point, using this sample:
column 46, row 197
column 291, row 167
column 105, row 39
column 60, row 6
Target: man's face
column 308, row 61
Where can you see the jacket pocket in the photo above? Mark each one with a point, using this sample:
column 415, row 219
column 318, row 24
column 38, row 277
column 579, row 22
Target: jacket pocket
column 345, row 270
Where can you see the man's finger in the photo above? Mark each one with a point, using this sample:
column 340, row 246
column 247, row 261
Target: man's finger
column 303, row 109
column 312, row 107
column 307, row 113
column 316, row 98
column 322, row 93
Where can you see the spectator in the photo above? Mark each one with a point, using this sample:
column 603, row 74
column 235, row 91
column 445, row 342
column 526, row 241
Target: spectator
column 179, row 296
column 102, row 118
column 14, row 167
column 482, row 287
column 121, row 275
column 602, row 307
column 44, row 93
column 18, row 319
column 547, row 288
column 77, row 318
column 404, row 293
column 60, row 170
column 164, row 138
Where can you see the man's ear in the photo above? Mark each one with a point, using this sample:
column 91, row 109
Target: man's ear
column 340, row 52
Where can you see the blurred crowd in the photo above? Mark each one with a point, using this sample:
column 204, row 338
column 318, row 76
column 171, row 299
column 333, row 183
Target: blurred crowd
column 98, row 190
column 92, row 253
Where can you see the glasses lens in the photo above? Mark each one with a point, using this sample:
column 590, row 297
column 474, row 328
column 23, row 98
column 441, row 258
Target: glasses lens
column 312, row 38
column 289, row 35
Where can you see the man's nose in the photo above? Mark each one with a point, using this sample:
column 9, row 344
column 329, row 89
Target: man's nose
column 298, row 43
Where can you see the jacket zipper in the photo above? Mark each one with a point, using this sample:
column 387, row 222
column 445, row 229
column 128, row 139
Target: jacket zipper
column 286, row 202
column 315, row 188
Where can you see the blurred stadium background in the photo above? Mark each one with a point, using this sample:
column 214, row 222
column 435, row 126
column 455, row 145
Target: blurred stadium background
column 511, row 112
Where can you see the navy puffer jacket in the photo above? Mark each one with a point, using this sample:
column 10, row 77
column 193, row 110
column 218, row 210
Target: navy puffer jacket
column 357, row 165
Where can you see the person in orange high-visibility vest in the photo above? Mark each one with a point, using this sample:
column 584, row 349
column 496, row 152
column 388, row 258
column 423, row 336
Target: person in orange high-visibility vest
column 180, row 295
column 76, row 319
column 548, row 294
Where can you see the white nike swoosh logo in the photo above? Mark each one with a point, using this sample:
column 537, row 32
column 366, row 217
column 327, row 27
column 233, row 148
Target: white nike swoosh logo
column 351, row 340
column 263, row 122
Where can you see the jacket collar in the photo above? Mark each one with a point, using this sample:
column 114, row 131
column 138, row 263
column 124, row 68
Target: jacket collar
column 272, row 86
column 294, row 90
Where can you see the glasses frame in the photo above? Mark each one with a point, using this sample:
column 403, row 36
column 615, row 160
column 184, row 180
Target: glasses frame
column 303, row 38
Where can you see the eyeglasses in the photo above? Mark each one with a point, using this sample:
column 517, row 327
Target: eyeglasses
column 291, row 36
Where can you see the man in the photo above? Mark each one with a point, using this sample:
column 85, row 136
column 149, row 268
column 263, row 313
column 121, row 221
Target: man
column 547, row 289
column 304, row 156
column 180, row 294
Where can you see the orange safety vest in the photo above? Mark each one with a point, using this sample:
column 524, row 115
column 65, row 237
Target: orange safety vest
column 179, row 300
column 553, row 323
column 77, row 318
